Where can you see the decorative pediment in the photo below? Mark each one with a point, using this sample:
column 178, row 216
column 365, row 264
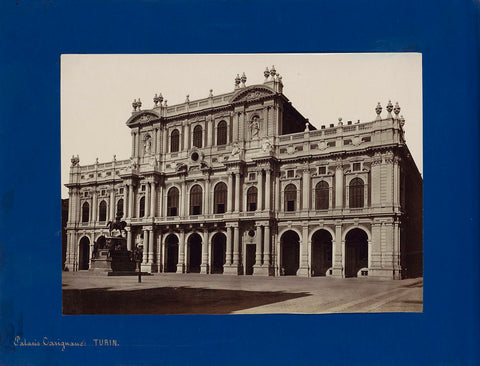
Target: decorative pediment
column 144, row 117
column 252, row 93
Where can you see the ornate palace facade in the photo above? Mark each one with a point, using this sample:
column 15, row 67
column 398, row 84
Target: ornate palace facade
column 241, row 183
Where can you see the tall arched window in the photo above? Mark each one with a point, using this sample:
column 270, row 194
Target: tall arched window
column 174, row 141
column 220, row 198
column 197, row 136
column 252, row 199
column 120, row 207
column 141, row 207
column 85, row 212
column 321, row 196
column 356, row 193
column 196, row 200
column 222, row 133
column 102, row 211
column 290, row 197
column 172, row 202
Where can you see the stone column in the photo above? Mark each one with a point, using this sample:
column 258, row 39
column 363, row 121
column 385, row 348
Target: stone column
column 182, row 202
column 228, row 254
column 206, row 198
column 151, row 246
column 237, row 192
column 155, row 145
column 126, row 206
column 160, row 201
column 266, row 247
column 129, row 238
column 147, row 200
column 306, row 189
column 277, row 192
column 268, row 184
column 133, row 144
column 181, row 253
column 153, row 199
column 145, row 248
column 131, row 207
column 137, row 144
column 185, row 137
column 164, row 140
column 93, row 218
column 112, row 205
column 258, row 268
column 236, row 247
column 204, row 264
column 230, row 193
column 337, row 250
column 397, row 268
column 209, row 125
column 339, row 186
column 260, row 189
column 304, row 271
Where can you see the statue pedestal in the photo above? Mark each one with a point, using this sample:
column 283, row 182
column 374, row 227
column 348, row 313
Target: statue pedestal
column 114, row 258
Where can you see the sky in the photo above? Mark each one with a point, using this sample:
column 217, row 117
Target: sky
column 97, row 92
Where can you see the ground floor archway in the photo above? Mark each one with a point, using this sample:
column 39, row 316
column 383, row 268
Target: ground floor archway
column 83, row 253
column 219, row 241
column 289, row 253
column 321, row 252
column 171, row 255
column 194, row 253
column 356, row 252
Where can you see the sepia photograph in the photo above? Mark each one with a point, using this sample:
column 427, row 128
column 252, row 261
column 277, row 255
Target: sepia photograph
column 241, row 183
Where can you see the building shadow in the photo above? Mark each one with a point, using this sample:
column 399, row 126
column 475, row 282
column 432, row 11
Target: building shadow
column 167, row 300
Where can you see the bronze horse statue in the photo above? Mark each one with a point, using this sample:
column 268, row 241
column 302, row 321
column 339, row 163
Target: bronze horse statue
column 117, row 227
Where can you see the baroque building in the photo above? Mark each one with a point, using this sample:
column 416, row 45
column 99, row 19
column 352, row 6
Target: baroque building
column 241, row 183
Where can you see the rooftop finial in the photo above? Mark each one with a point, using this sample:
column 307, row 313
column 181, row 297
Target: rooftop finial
column 266, row 73
column 158, row 99
column 237, row 82
column 134, row 105
column 211, row 93
column 273, row 71
column 396, row 110
column 139, row 104
column 378, row 110
column 402, row 121
column 187, row 99
column 389, row 109
column 243, row 79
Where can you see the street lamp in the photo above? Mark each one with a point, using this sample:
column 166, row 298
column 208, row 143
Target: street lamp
column 138, row 260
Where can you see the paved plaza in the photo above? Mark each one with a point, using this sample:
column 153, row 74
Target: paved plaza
column 170, row 293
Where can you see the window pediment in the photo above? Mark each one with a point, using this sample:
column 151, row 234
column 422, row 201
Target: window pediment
column 251, row 93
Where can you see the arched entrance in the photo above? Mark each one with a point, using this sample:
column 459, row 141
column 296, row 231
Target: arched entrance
column 321, row 252
column 194, row 253
column 290, row 253
column 83, row 253
column 171, row 243
column 218, row 252
column 356, row 252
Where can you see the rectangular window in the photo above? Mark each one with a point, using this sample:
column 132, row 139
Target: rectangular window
column 143, row 187
column 251, row 176
column 220, row 208
column 196, row 210
column 103, row 192
column 290, row 173
column 120, row 191
column 357, row 167
column 322, row 170
column 290, row 205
